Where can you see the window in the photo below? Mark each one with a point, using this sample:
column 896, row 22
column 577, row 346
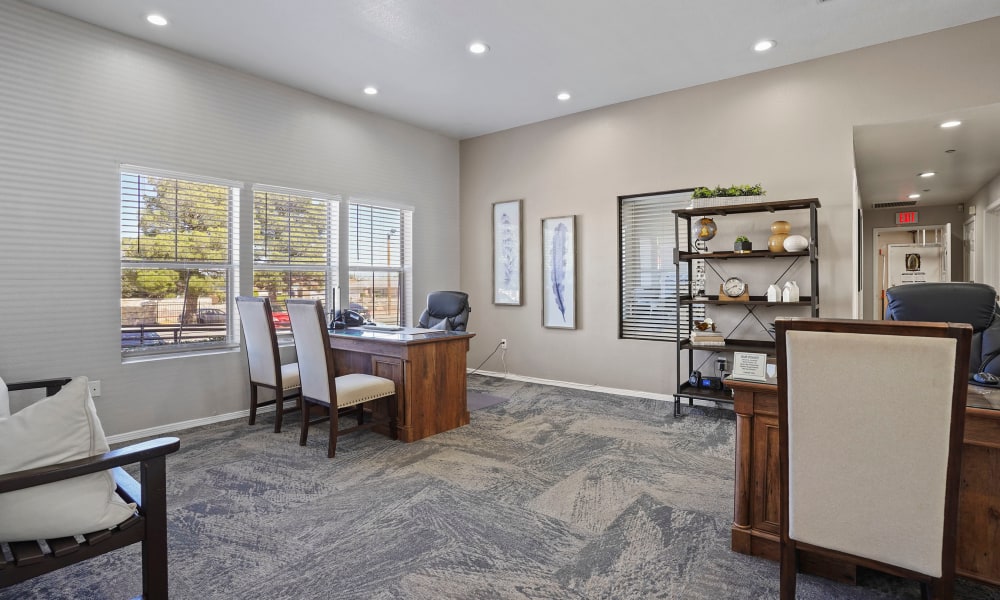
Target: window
column 178, row 269
column 380, row 276
column 648, row 279
column 294, row 248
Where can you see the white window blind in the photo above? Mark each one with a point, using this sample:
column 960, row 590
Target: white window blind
column 178, row 261
column 294, row 248
column 648, row 292
column 380, row 262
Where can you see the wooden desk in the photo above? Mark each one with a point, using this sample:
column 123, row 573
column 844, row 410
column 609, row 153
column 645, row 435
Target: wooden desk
column 757, row 518
column 428, row 369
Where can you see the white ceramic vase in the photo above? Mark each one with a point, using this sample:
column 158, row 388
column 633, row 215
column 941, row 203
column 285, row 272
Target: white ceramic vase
column 795, row 243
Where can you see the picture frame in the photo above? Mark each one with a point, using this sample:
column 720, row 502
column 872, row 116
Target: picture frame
column 507, row 262
column 559, row 272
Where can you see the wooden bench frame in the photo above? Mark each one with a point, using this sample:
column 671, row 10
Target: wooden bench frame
column 148, row 525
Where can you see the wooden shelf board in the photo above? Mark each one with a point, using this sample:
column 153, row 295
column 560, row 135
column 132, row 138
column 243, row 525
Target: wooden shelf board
column 685, row 256
column 748, row 208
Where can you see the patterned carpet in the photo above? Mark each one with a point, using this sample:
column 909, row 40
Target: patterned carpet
column 556, row 493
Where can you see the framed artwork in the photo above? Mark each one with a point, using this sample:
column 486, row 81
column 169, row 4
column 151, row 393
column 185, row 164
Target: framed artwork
column 559, row 272
column 507, row 253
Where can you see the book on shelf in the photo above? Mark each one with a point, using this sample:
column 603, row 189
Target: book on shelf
column 707, row 335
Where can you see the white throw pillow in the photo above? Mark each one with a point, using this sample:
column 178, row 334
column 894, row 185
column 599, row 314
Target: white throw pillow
column 57, row 429
column 4, row 400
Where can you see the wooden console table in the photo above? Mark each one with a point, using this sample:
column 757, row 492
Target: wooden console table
column 757, row 518
column 428, row 369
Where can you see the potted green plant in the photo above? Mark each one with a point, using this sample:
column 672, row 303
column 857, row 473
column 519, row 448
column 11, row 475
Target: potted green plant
column 721, row 196
column 742, row 245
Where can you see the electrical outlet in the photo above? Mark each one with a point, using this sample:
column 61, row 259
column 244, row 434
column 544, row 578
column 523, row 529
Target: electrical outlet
column 95, row 388
column 503, row 343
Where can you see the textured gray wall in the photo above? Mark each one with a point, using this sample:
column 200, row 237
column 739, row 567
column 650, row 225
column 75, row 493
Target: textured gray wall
column 77, row 101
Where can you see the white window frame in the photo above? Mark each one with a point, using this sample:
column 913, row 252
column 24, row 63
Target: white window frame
column 230, row 266
column 332, row 264
column 405, row 249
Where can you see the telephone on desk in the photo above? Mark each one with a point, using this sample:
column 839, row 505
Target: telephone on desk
column 346, row 318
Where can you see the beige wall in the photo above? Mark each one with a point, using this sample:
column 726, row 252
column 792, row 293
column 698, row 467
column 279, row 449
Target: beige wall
column 986, row 205
column 789, row 129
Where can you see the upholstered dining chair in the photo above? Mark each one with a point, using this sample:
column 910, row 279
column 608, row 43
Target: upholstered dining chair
column 320, row 385
column 870, row 468
column 266, row 370
column 446, row 310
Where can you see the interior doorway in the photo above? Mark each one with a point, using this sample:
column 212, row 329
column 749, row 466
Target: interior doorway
column 897, row 259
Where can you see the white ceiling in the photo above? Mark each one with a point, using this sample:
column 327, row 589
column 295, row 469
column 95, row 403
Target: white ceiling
column 601, row 51
column 889, row 157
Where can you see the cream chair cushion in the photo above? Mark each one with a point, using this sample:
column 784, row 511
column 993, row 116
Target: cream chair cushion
column 4, row 400
column 57, row 429
column 290, row 376
column 357, row 388
column 891, row 440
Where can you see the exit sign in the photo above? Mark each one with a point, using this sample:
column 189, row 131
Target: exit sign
column 906, row 218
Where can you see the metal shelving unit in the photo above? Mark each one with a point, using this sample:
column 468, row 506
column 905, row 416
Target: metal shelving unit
column 685, row 297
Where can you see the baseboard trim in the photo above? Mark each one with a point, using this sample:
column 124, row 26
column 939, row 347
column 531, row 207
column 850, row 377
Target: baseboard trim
column 591, row 387
column 182, row 425
column 243, row 414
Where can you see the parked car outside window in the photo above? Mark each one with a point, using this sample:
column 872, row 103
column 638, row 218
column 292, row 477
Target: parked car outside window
column 208, row 316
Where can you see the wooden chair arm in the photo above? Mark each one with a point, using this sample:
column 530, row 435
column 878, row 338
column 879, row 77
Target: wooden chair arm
column 51, row 385
column 140, row 452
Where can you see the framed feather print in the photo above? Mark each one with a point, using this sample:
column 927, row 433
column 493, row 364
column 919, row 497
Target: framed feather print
column 559, row 272
column 507, row 252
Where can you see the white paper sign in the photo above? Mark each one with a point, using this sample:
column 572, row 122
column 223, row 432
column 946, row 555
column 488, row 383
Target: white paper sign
column 749, row 366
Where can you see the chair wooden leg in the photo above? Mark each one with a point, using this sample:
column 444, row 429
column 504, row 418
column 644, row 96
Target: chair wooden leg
column 331, row 448
column 153, row 475
column 253, row 404
column 279, row 409
column 361, row 414
column 938, row 589
column 304, row 433
column 789, row 568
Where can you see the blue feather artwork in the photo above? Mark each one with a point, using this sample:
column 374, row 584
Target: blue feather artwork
column 558, row 252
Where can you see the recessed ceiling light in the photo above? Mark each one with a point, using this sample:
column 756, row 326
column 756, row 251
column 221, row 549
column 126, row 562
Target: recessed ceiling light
column 159, row 20
column 371, row 90
column 913, row 196
column 478, row 48
column 928, row 174
column 764, row 45
column 563, row 96
column 949, row 124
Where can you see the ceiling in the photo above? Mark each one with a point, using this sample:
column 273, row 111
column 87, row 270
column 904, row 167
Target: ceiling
column 890, row 156
column 600, row 51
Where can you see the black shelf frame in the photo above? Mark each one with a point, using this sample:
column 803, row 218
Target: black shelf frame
column 684, row 345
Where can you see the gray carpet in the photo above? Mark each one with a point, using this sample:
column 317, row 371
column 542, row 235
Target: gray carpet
column 555, row 493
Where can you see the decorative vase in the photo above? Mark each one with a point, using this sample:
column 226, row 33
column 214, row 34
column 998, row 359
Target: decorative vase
column 795, row 243
column 779, row 231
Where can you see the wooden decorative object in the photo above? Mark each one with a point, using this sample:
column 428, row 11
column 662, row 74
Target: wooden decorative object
column 744, row 297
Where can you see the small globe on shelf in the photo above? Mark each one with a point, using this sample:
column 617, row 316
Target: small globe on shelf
column 702, row 230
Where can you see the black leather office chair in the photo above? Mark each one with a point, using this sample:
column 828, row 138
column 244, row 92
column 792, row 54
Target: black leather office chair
column 446, row 310
column 956, row 302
